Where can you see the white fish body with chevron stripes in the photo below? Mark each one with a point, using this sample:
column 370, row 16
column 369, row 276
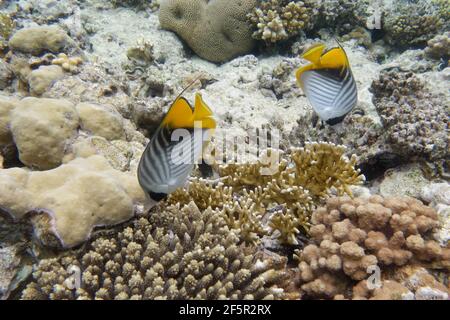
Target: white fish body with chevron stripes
column 328, row 83
column 175, row 147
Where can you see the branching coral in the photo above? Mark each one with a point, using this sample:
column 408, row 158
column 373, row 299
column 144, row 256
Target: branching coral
column 342, row 14
column 69, row 64
column 351, row 235
column 439, row 46
column 284, row 196
column 176, row 254
column 277, row 20
column 416, row 124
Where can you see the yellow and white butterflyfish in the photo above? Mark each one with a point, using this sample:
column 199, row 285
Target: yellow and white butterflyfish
column 328, row 83
column 175, row 147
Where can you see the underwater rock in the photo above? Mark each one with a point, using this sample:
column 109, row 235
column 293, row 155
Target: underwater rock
column 351, row 235
column 177, row 253
column 9, row 266
column 102, row 121
column 41, row 79
column 65, row 204
column 36, row 40
column 6, row 75
column 217, row 31
column 438, row 196
column 42, row 129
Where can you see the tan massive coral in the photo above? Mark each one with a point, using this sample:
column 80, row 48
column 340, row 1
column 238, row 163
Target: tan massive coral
column 175, row 254
column 66, row 203
column 36, row 40
column 353, row 236
column 216, row 30
column 42, row 129
column 100, row 120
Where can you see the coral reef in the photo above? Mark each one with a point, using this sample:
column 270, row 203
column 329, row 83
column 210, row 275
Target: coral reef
column 408, row 24
column 287, row 191
column 139, row 4
column 351, row 235
column 66, row 203
column 278, row 20
column 41, row 79
column 179, row 253
column 6, row 29
column 216, row 30
column 414, row 120
column 439, row 46
column 341, row 15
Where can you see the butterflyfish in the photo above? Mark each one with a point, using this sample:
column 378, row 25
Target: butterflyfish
column 175, row 147
column 328, row 83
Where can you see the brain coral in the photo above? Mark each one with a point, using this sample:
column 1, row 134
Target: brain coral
column 176, row 254
column 216, row 30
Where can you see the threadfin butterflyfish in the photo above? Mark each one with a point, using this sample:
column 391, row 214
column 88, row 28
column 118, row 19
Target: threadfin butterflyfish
column 328, row 83
column 175, row 147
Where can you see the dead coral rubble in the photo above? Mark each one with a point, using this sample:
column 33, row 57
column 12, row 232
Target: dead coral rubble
column 175, row 254
column 351, row 235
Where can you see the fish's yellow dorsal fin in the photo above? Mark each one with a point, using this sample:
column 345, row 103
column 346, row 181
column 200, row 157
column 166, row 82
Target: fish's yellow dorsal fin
column 180, row 115
column 203, row 113
column 336, row 58
column 313, row 54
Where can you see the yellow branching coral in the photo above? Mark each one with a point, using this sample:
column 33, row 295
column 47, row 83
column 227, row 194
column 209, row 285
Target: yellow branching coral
column 321, row 167
column 247, row 194
column 68, row 64
column 243, row 216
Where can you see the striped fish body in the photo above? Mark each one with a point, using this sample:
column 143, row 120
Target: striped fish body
column 169, row 159
column 331, row 93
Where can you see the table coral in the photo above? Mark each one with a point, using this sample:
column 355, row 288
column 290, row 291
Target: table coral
column 179, row 253
column 217, row 30
column 351, row 235
column 278, row 20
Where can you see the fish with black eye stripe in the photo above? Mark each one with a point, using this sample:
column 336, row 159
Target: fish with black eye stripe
column 175, row 147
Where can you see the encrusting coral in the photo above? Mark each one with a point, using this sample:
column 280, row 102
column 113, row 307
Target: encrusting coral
column 409, row 24
column 277, row 20
column 217, row 31
column 415, row 121
column 287, row 193
column 179, row 253
column 351, row 235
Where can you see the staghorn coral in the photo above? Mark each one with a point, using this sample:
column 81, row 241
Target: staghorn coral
column 415, row 122
column 351, row 235
column 278, row 20
column 409, row 24
column 217, row 31
column 284, row 196
column 175, row 254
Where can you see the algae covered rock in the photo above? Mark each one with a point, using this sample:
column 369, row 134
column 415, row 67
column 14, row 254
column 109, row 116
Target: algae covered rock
column 41, row 79
column 36, row 40
column 216, row 30
column 66, row 203
column 42, row 128
column 101, row 121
